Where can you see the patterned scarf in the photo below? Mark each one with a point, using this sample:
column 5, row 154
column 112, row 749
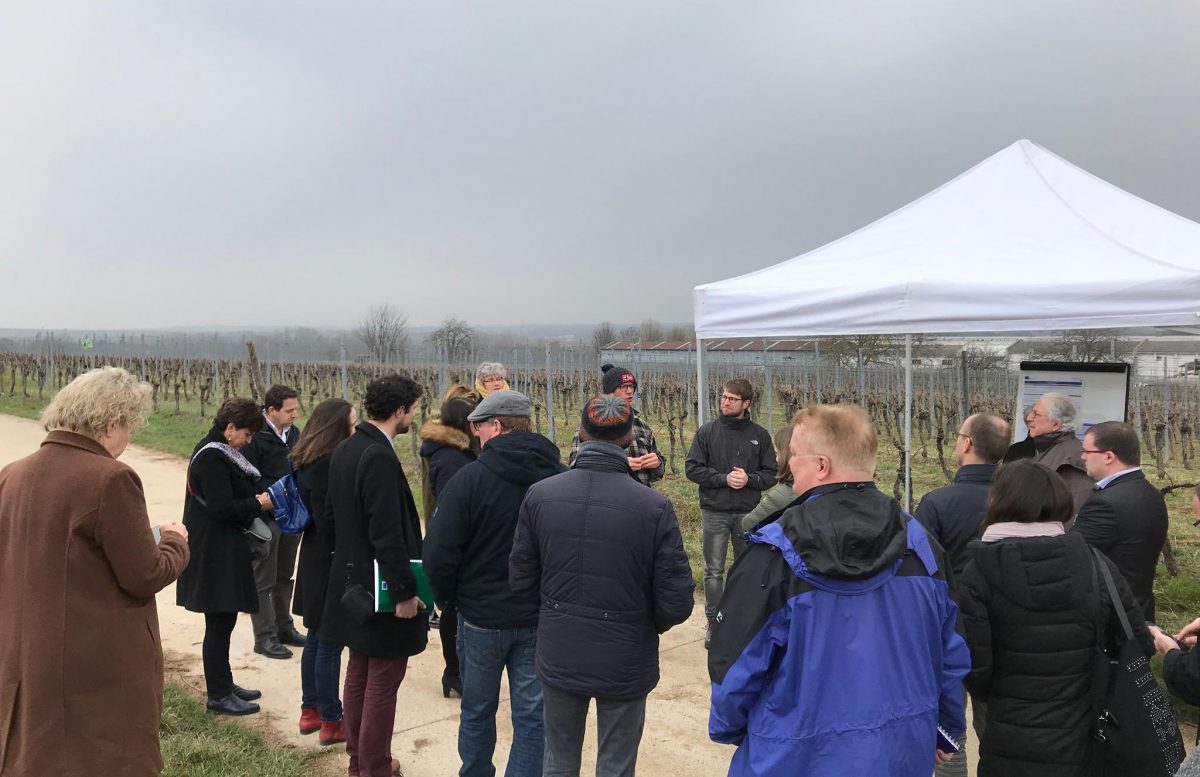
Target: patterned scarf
column 234, row 455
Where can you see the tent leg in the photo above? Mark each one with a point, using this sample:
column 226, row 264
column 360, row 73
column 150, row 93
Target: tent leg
column 699, row 384
column 908, row 399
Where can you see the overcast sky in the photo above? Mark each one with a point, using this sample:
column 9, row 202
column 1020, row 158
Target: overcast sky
column 293, row 163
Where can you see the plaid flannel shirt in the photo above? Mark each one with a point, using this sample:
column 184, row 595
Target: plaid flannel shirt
column 641, row 444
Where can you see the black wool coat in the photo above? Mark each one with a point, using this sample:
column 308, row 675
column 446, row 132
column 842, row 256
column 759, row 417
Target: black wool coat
column 605, row 555
column 316, row 544
column 220, row 577
column 1127, row 521
column 1029, row 612
column 375, row 519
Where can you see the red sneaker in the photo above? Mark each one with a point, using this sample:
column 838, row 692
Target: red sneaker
column 332, row 732
column 310, row 720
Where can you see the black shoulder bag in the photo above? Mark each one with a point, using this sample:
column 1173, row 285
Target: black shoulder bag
column 1136, row 732
column 357, row 602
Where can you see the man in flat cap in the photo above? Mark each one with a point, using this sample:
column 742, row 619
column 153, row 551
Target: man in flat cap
column 466, row 558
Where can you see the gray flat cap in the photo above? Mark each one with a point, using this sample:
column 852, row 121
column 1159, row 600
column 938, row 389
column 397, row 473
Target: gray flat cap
column 512, row 403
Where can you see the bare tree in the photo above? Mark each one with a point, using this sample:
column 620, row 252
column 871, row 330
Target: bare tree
column 980, row 358
column 602, row 335
column 679, row 332
column 1083, row 345
column 871, row 349
column 455, row 336
column 630, row 333
column 650, row 330
column 383, row 332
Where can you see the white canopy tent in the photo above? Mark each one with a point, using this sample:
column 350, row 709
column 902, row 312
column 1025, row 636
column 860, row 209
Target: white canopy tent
column 1024, row 241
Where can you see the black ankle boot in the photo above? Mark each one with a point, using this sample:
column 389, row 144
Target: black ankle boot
column 451, row 684
column 231, row 705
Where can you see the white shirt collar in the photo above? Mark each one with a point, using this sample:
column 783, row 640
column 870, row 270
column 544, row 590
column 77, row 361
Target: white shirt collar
column 281, row 434
column 1102, row 482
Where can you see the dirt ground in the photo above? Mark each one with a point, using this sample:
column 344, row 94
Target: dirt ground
column 675, row 741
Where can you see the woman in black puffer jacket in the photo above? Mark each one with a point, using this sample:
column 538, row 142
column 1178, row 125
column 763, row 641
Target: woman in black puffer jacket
column 447, row 446
column 1029, row 609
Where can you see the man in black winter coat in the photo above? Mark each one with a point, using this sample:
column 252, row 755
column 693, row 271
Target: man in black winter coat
column 601, row 609
column 952, row 515
column 466, row 559
column 275, row 561
column 732, row 459
column 1126, row 518
column 375, row 521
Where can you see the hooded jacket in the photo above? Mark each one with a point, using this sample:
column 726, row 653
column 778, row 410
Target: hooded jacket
column 444, row 451
column 606, row 556
column 1030, row 614
column 718, row 447
column 471, row 534
column 835, row 650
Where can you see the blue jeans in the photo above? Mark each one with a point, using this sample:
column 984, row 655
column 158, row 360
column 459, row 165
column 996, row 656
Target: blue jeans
column 486, row 653
column 320, row 670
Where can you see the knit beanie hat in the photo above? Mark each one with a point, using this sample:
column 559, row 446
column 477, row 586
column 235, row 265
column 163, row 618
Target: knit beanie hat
column 607, row 418
column 615, row 377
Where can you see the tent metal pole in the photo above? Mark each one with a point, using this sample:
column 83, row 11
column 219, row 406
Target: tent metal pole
column 699, row 383
column 908, row 400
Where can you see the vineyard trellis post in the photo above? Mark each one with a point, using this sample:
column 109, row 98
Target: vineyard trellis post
column 908, row 398
column 342, row 359
column 701, row 388
column 549, row 397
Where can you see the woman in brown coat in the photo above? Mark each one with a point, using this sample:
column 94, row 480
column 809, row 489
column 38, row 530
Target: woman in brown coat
column 81, row 668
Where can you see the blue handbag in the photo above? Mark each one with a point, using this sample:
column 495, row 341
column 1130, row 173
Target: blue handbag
column 290, row 511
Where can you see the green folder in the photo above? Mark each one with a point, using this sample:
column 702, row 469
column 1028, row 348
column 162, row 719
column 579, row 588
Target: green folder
column 383, row 597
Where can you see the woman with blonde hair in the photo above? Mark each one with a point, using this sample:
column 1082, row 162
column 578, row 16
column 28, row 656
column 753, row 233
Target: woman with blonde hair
column 81, row 666
column 489, row 377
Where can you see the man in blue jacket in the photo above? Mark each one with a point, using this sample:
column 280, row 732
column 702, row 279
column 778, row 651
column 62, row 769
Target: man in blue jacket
column 466, row 560
column 603, row 608
column 835, row 651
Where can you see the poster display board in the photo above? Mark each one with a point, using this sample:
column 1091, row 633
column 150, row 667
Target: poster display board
column 1100, row 391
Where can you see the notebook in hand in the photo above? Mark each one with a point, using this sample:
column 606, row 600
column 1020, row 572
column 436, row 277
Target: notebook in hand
column 945, row 742
column 383, row 597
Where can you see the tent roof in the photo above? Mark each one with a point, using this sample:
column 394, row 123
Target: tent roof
column 1024, row 241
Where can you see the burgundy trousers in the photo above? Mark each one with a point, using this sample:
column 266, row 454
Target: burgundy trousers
column 369, row 703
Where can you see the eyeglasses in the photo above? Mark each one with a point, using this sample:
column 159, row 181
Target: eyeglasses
column 964, row 436
column 1085, row 450
column 727, row 398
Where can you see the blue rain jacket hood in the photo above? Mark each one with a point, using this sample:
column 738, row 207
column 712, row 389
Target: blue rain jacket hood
column 836, row 651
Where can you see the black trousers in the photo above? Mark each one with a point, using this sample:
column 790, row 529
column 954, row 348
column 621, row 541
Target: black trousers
column 218, row 677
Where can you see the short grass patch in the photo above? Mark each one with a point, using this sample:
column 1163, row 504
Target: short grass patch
column 198, row 744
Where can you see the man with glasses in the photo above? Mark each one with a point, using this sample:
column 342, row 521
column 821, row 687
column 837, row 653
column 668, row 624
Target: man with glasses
column 952, row 514
column 1126, row 517
column 733, row 461
column 837, row 652
column 1052, row 441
